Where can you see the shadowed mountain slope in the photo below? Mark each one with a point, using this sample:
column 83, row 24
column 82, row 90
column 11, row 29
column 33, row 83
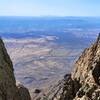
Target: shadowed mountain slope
column 8, row 88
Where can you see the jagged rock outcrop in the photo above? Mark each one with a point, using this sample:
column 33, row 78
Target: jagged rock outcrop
column 84, row 82
column 87, row 73
column 8, row 88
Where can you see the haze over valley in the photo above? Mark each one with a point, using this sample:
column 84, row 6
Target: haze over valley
column 43, row 49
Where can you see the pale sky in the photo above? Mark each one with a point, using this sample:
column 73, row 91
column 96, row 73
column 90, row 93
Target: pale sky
column 49, row 7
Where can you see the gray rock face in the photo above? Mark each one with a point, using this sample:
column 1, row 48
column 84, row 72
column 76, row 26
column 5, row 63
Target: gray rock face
column 84, row 82
column 8, row 88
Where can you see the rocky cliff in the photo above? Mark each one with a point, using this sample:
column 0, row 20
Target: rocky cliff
column 84, row 82
column 8, row 88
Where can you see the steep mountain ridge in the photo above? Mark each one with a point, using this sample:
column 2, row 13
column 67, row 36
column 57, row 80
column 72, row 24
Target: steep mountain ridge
column 87, row 73
column 8, row 88
column 84, row 82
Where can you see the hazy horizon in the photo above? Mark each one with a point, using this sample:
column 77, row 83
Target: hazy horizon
column 47, row 16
